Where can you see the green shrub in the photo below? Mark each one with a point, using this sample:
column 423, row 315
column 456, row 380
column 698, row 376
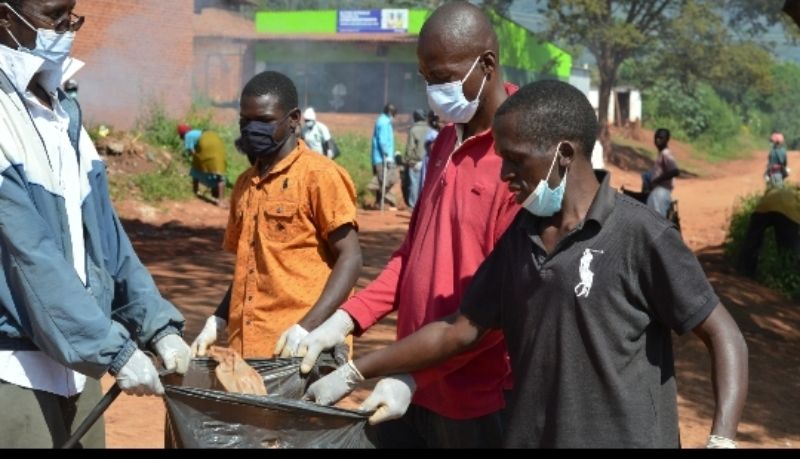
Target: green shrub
column 669, row 104
column 169, row 183
column 158, row 129
column 776, row 270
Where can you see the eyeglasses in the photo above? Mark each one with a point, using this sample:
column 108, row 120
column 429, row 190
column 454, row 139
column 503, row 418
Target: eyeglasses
column 69, row 22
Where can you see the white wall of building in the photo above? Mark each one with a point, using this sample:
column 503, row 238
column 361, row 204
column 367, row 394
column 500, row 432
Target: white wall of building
column 635, row 101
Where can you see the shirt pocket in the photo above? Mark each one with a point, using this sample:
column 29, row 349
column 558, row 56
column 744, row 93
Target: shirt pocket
column 475, row 211
column 281, row 221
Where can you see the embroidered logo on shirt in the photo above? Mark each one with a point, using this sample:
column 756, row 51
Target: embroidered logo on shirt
column 583, row 289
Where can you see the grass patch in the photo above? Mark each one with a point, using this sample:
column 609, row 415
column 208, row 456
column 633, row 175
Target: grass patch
column 355, row 158
column 170, row 183
column 738, row 147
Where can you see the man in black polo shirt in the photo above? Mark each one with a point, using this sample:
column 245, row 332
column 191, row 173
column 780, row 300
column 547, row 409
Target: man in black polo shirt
column 587, row 286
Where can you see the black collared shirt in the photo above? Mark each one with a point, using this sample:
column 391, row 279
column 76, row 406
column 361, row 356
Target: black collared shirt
column 588, row 327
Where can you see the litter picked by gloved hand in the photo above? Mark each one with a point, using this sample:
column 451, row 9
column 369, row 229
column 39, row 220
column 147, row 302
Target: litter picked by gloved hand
column 235, row 375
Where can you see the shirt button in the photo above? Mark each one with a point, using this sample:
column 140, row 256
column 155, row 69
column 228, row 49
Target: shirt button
column 252, row 271
column 250, row 299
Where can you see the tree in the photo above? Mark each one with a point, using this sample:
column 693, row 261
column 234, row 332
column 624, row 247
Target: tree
column 784, row 102
column 698, row 46
column 612, row 31
column 756, row 16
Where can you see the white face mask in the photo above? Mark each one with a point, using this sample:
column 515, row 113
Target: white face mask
column 448, row 101
column 51, row 46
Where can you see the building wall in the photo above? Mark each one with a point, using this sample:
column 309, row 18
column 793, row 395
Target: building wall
column 137, row 52
column 221, row 68
column 348, row 77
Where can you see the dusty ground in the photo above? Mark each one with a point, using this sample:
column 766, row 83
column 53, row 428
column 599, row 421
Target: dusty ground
column 180, row 243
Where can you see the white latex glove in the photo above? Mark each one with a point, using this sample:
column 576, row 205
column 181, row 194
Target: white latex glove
column 175, row 353
column 290, row 341
column 335, row 386
column 718, row 442
column 208, row 336
column 139, row 376
column 391, row 398
column 332, row 332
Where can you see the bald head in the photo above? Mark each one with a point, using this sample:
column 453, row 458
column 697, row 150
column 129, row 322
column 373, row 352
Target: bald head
column 461, row 28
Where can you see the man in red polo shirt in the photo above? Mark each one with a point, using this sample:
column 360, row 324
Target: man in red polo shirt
column 463, row 210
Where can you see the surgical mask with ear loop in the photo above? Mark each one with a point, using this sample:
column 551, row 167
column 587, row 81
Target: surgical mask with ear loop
column 51, row 46
column 448, row 101
column 546, row 202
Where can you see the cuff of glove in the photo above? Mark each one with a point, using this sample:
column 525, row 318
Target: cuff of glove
column 719, row 442
column 354, row 377
column 345, row 323
column 166, row 331
column 122, row 357
column 408, row 380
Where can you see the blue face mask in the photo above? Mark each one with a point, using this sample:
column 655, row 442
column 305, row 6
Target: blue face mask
column 546, row 202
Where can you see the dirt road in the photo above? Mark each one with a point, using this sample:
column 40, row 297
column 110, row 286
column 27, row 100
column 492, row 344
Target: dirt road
column 180, row 244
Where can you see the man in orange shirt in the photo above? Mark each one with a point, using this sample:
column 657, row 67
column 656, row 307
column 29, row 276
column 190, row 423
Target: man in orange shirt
column 293, row 229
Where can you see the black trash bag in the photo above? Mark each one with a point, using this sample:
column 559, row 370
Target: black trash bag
column 200, row 414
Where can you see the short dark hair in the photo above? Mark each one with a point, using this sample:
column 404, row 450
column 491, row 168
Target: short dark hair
column 551, row 111
column 665, row 132
column 389, row 109
column 274, row 83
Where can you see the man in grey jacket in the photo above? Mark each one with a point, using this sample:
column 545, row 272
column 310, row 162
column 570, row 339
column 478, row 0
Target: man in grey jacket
column 75, row 301
column 415, row 155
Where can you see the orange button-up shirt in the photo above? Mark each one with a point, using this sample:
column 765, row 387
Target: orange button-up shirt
column 278, row 229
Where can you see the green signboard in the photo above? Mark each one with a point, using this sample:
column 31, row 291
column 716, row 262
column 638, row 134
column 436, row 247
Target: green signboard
column 519, row 48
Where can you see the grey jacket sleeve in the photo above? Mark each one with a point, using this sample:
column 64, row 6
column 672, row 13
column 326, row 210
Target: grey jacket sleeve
column 45, row 297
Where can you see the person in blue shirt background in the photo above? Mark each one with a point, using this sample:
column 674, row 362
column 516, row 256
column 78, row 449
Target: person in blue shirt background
column 383, row 152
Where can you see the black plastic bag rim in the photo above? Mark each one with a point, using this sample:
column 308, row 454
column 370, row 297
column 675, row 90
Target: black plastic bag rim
column 269, row 401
